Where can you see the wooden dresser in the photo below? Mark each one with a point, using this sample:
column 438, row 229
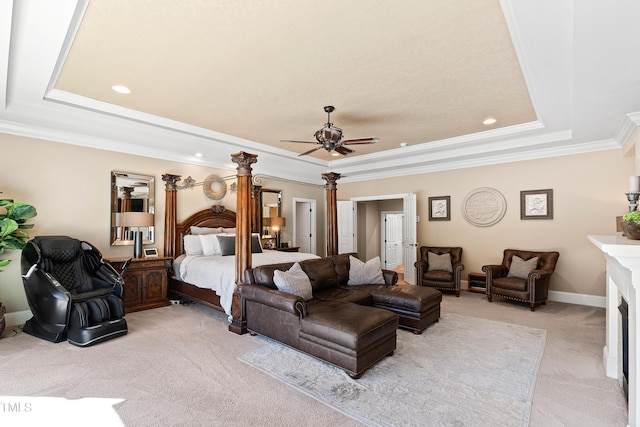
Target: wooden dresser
column 146, row 282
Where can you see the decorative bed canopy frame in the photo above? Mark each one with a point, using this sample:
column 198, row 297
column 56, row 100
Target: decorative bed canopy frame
column 244, row 220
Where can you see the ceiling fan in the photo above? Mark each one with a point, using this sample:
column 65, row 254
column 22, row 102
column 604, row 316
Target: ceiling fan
column 330, row 138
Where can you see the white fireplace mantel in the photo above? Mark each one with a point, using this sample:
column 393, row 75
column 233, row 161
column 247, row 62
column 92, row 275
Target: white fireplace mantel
column 622, row 258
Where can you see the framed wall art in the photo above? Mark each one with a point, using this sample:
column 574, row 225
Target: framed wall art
column 536, row 204
column 439, row 208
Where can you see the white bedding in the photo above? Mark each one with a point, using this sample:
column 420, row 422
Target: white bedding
column 218, row 272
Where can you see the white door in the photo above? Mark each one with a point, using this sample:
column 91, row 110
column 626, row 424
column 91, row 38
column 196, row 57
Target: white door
column 304, row 224
column 410, row 245
column 392, row 250
column 345, row 226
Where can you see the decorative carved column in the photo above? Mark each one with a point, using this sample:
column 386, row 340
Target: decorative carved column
column 243, row 236
column 332, row 211
column 255, row 208
column 126, row 199
column 170, row 213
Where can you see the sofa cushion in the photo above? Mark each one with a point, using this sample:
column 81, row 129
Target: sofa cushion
column 365, row 273
column 520, row 268
column 439, row 262
column 293, row 281
column 345, row 294
column 321, row 272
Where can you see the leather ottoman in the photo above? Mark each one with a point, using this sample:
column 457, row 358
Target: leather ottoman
column 417, row 306
column 350, row 336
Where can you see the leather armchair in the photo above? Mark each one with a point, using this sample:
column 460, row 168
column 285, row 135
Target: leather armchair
column 532, row 288
column 71, row 292
column 436, row 277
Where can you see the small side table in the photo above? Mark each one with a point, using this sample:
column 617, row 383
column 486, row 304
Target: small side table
column 146, row 282
column 477, row 282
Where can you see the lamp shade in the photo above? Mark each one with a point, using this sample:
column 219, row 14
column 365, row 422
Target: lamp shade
column 277, row 222
column 136, row 219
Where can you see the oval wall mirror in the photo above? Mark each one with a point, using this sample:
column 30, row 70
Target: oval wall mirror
column 132, row 207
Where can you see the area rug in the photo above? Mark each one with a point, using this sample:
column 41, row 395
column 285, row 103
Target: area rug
column 462, row 371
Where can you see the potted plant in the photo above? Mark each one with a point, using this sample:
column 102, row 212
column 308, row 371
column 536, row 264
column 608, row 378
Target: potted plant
column 631, row 225
column 12, row 237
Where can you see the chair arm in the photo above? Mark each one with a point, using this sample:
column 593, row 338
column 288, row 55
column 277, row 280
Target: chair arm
column 48, row 300
column 289, row 303
column 494, row 271
column 107, row 277
column 539, row 274
column 390, row 277
column 421, row 266
column 457, row 272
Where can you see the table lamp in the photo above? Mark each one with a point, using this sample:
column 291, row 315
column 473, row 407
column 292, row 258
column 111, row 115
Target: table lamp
column 138, row 220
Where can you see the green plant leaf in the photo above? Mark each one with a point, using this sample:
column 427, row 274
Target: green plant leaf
column 632, row 216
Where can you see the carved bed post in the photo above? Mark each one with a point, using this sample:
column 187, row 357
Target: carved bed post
column 243, row 235
column 332, row 211
column 170, row 214
column 255, row 208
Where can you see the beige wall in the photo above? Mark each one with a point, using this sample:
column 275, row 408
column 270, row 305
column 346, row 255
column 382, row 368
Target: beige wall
column 70, row 188
column 588, row 192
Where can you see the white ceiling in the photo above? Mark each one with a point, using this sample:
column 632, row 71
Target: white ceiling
column 218, row 77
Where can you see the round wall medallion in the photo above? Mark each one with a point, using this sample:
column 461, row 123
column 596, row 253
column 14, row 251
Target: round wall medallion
column 214, row 187
column 484, row 206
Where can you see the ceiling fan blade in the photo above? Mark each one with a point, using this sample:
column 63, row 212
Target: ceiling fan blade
column 302, row 142
column 344, row 150
column 310, row 151
column 356, row 141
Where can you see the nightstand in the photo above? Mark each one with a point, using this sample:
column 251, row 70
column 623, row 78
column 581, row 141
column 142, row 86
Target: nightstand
column 146, row 282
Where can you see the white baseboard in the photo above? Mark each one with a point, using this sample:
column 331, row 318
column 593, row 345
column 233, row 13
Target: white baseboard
column 567, row 297
column 17, row 317
column 581, row 299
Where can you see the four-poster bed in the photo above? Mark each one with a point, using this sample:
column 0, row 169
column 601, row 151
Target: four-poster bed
column 242, row 221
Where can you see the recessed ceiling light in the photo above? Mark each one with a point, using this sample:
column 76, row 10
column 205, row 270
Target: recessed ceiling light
column 489, row 121
column 334, row 154
column 121, row 89
column 403, row 144
column 198, row 154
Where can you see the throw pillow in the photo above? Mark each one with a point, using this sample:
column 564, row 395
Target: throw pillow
column 365, row 273
column 520, row 268
column 228, row 244
column 192, row 245
column 439, row 262
column 210, row 244
column 205, row 230
column 294, row 281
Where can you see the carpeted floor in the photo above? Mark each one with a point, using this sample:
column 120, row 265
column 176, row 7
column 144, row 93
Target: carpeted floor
column 464, row 372
column 179, row 366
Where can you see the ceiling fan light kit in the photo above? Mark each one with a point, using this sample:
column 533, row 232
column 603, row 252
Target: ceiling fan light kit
column 330, row 138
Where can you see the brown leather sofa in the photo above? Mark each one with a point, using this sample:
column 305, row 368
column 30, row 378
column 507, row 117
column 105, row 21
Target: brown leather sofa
column 352, row 327
column 532, row 287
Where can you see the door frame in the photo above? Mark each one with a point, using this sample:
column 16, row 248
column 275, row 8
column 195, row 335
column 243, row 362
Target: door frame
column 410, row 252
column 313, row 227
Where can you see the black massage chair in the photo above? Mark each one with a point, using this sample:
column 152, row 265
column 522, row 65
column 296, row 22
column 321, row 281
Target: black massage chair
column 72, row 293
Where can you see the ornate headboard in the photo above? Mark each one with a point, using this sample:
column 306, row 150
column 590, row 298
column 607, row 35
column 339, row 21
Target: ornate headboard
column 215, row 216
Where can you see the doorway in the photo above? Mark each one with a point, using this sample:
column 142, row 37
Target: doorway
column 304, row 225
column 367, row 227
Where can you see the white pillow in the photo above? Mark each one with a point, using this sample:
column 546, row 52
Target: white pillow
column 229, row 230
column 439, row 262
column 210, row 244
column 205, row 230
column 192, row 245
column 520, row 268
column 294, row 281
column 369, row 273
